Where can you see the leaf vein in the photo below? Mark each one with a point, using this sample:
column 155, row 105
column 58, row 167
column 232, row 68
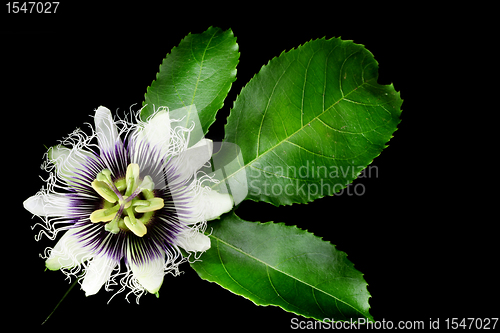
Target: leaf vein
column 258, row 155
column 201, row 65
column 276, row 269
column 309, row 151
column 229, row 274
column 267, row 107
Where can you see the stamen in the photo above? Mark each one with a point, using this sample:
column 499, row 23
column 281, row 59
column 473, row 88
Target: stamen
column 131, row 178
column 104, row 191
column 103, row 215
column 154, row 204
column 134, row 225
column 105, row 177
column 131, row 197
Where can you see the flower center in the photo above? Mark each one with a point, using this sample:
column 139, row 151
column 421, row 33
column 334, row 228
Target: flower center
column 128, row 203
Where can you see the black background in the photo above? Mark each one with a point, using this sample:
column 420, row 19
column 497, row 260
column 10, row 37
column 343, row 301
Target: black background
column 424, row 253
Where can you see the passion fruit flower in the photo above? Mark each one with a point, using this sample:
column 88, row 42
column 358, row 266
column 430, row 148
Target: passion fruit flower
column 140, row 199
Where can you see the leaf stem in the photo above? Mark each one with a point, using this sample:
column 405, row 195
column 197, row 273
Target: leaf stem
column 66, row 294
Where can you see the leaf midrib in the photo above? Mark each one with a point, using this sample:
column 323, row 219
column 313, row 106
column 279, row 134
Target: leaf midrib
column 199, row 73
column 201, row 64
column 280, row 271
column 291, row 135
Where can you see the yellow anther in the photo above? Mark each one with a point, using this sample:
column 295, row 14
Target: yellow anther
column 132, row 178
column 154, row 204
column 104, row 191
column 135, row 226
column 101, row 216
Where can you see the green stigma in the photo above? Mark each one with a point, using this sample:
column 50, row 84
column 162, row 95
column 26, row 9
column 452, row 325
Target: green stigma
column 128, row 203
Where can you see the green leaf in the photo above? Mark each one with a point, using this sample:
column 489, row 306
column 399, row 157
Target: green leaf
column 199, row 71
column 274, row 264
column 311, row 120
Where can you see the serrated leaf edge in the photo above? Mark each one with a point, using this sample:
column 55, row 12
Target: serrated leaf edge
column 233, row 74
column 300, row 231
column 275, row 59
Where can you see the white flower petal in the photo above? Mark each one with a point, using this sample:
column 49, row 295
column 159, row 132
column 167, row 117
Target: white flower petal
column 68, row 252
column 193, row 241
column 150, row 274
column 157, row 132
column 216, row 204
column 68, row 161
column 107, row 134
column 209, row 205
column 193, row 158
column 97, row 273
column 47, row 205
